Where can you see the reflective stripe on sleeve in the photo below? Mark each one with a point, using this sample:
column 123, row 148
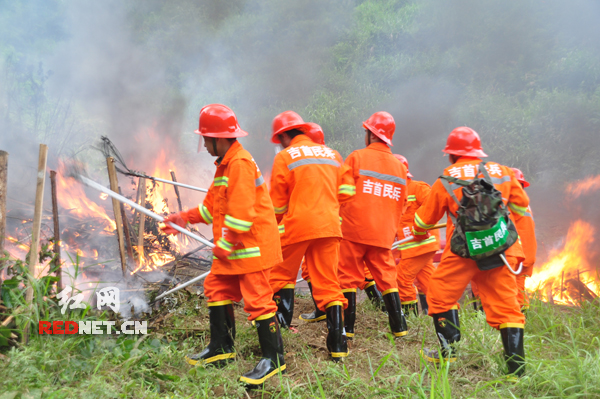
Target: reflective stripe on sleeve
column 205, row 214
column 223, row 243
column 421, row 224
column 281, row 228
column 259, row 181
column 238, row 224
column 281, row 210
column 411, row 198
column 520, row 210
column 382, row 176
column 221, row 181
column 347, row 189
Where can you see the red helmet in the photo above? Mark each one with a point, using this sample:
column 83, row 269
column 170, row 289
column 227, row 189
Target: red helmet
column 405, row 162
column 285, row 121
column 520, row 177
column 217, row 120
column 464, row 141
column 315, row 133
column 382, row 125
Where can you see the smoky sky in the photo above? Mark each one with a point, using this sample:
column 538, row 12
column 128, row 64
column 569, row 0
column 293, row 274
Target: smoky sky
column 524, row 75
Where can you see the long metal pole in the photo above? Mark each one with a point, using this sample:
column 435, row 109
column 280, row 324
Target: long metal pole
column 118, row 197
column 410, row 238
column 204, row 190
column 179, row 287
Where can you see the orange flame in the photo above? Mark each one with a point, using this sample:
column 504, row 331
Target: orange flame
column 570, row 262
column 584, row 186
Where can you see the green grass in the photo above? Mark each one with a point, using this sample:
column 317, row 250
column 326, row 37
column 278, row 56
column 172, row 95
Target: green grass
column 562, row 348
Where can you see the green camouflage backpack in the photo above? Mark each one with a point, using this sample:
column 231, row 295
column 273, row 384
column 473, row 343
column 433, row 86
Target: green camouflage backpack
column 482, row 227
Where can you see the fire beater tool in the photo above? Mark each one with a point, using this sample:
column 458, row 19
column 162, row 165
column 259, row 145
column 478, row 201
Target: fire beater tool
column 119, row 197
column 109, row 150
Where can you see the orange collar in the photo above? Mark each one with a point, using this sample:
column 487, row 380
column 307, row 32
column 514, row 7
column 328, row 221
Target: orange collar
column 234, row 149
column 299, row 138
column 380, row 147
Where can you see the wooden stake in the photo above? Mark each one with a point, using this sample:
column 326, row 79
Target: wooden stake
column 142, row 223
column 35, row 230
column 176, row 191
column 127, row 231
column 3, row 190
column 58, row 261
column 114, row 186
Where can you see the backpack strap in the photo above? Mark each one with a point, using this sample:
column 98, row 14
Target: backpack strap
column 485, row 173
column 444, row 180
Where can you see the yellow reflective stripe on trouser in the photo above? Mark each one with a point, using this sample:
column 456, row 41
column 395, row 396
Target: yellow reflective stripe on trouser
column 521, row 210
column 414, row 244
column 281, row 209
column 237, row 224
column 281, row 228
column 221, row 181
column 422, row 224
column 205, row 214
column 220, row 303
column 243, row 253
column 347, row 189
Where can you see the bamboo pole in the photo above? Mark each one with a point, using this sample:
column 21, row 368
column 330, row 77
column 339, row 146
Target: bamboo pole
column 176, row 190
column 114, row 186
column 126, row 231
column 57, row 261
column 142, row 222
column 35, row 230
column 3, row 194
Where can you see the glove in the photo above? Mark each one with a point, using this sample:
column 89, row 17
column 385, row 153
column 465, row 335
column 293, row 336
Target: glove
column 420, row 237
column 223, row 249
column 176, row 218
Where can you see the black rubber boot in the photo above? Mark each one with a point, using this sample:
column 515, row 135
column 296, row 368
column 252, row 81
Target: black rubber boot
column 350, row 314
column 336, row 337
column 317, row 314
column 424, row 305
column 272, row 361
column 374, row 295
column 394, row 311
column 408, row 308
column 222, row 333
column 514, row 352
column 284, row 299
column 447, row 328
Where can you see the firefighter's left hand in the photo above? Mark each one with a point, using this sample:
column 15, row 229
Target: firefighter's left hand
column 420, row 237
column 175, row 218
column 221, row 253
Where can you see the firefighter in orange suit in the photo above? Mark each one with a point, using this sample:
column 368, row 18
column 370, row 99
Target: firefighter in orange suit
column 416, row 262
column 526, row 229
column 370, row 221
column 308, row 182
column 247, row 247
column 497, row 287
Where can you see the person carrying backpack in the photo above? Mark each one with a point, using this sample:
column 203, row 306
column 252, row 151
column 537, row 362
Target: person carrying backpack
column 482, row 243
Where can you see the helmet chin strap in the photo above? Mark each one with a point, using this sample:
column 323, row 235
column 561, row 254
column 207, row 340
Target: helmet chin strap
column 214, row 144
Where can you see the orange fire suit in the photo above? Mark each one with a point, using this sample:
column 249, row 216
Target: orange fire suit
column 497, row 287
column 238, row 200
column 526, row 229
column 308, row 182
column 370, row 221
column 416, row 257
